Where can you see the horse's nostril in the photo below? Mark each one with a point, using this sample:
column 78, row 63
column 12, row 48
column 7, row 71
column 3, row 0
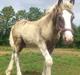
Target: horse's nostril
column 68, row 40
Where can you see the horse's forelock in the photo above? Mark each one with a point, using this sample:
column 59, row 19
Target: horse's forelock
column 67, row 5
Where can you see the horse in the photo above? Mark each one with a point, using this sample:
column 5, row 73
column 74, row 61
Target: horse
column 45, row 33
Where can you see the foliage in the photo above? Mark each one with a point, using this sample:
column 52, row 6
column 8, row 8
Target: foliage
column 77, row 37
column 34, row 14
column 6, row 16
column 21, row 14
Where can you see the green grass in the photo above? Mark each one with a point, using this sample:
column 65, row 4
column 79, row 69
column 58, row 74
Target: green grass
column 32, row 64
column 66, row 65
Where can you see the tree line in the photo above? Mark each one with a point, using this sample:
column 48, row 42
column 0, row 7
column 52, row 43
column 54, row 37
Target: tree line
column 8, row 17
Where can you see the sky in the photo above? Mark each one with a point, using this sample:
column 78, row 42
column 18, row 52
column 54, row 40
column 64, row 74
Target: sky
column 42, row 4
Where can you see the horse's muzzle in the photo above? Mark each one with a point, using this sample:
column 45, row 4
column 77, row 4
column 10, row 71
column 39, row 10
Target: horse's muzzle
column 68, row 41
column 68, row 37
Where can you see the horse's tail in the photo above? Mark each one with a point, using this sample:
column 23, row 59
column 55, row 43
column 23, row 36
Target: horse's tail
column 11, row 41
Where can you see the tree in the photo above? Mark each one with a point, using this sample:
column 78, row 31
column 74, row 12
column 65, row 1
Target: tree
column 21, row 14
column 77, row 37
column 6, row 17
column 34, row 14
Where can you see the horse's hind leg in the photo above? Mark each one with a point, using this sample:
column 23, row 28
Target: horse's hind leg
column 17, row 63
column 10, row 67
column 16, row 49
column 14, row 58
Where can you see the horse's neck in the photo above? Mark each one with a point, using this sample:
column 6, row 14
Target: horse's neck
column 46, row 19
column 47, row 26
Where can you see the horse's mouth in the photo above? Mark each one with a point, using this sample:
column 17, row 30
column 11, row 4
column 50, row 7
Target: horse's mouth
column 68, row 42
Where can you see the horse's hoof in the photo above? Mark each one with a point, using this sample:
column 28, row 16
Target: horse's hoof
column 8, row 72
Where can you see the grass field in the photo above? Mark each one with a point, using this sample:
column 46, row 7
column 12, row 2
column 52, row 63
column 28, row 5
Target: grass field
column 65, row 63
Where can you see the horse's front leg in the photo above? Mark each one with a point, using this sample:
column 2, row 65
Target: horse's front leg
column 48, row 58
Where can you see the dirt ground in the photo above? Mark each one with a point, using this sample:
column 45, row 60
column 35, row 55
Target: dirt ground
column 55, row 52
column 4, row 53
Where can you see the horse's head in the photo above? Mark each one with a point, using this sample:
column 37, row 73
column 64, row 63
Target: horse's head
column 64, row 18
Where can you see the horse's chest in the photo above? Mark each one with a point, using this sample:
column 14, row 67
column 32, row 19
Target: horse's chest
column 47, row 34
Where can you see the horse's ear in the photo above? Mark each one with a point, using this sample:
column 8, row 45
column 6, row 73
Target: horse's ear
column 59, row 2
column 72, row 1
